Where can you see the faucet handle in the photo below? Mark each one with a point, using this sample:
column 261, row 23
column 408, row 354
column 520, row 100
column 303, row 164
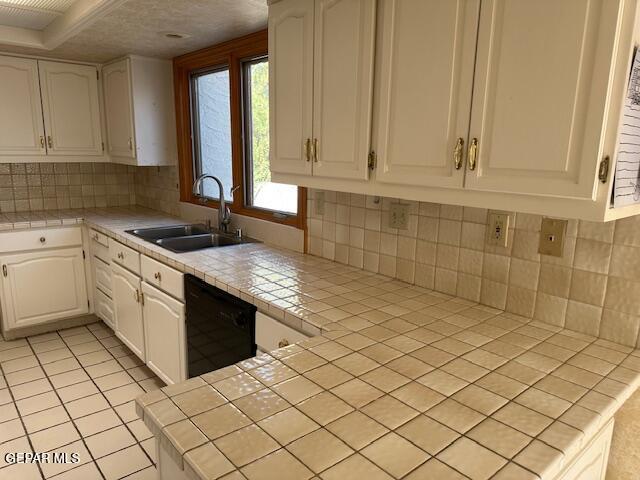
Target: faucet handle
column 233, row 189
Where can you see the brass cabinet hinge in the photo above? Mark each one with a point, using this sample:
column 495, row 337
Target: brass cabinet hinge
column 372, row 159
column 603, row 171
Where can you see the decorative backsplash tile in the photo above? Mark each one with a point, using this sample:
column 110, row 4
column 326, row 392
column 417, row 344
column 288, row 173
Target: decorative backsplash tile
column 593, row 288
column 158, row 188
column 50, row 186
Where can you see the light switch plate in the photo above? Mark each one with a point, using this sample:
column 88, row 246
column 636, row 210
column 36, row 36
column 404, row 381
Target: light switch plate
column 552, row 234
column 399, row 216
column 498, row 229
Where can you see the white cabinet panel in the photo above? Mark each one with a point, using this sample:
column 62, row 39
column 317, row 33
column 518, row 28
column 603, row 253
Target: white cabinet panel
column 272, row 334
column 21, row 127
column 343, row 86
column 164, row 326
column 541, row 94
column 291, row 85
column 71, row 108
column 116, row 78
column 102, row 275
column 128, row 309
column 426, row 61
column 103, row 306
column 41, row 286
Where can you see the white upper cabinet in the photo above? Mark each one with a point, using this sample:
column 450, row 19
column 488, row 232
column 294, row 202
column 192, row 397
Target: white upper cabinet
column 291, row 85
column 541, row 95
column 71, row 108
column 116, row 79
column 140, row 111
column 426, row 57
column 21, row 127
column 343, row 86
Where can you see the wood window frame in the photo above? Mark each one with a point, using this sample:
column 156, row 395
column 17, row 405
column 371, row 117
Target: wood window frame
column 232, row 54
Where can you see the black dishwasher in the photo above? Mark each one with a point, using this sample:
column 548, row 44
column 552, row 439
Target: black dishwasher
column 221, row 328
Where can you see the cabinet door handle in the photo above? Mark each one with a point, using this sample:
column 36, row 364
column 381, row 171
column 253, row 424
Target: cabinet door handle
column 4, row 270
column 41, row 141
column 49, row 141
column 457, row 153
column 136, row 295
column 142, row 298
column 121, row 256
column 473, row 152
column 315, row 150
column 157, row 276
column 307, row 149
column 283, row 343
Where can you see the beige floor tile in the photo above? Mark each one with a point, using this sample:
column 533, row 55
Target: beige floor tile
column 355, row 467
column 389, row 412
column 94, row 358
column 11, row 430
column 45, row 419
column 280, row 465
column 149, row 473
column 8, row 412
column 124, row 462
column 61, row 366
column 288, row 425
column 435, row 469
column 30, row 389
column 87, row 347
column 149, row 446
column 395, row 455
column 320, row 450
column 207, row 462
column 127, row 411
column 455, row 415
column 113, row 380
column 13, row 353
column 20, row 444
column 246, row 445
column 123, row 394
column 221, row 421
column 5, row 396
column 87, row 405
column 18, row 364
column 429, row 435
column 296, row 389
column 499, row 437
column 129, row 361
column 54, row 437
column 21, row 471
column 472, row 459
column 24, row 376
column 97, row 422
column 151, row 384
column 76, row 391
column 109, row 441
column 88, row 471
column 104, row 368
column 53, row 344
column 51, row 469
column 140, row 373
column 54, row 355
column 261, row 404
column 80, row 338
column 357, row 430
column 66, row 379
column 139, row 430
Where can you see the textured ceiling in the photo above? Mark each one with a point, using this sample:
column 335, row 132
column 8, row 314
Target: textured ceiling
column 137, row 27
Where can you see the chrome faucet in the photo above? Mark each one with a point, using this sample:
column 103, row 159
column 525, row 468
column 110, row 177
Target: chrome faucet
column 224, row 214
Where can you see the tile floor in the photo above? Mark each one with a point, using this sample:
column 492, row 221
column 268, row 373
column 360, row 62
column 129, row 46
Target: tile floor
column 73, row 391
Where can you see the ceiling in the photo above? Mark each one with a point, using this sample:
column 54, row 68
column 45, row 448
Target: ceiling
column 33, row 14
column 139, row 27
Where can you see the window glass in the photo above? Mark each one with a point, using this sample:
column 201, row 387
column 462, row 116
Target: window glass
column 261, row 191
column 212, row 130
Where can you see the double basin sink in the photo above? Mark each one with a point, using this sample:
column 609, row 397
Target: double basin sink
column 187, row 238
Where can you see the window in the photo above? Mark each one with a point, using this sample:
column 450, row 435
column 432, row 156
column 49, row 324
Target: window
column 222, row 101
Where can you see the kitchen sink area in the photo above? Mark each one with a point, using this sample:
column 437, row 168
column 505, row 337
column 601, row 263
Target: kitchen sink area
column 188, row 238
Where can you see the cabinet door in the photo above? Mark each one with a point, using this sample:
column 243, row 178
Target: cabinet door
column 540, row 95
column 164, row 335
column 343, row 86
column 426, row 60
column 21, row 127
column 118, row 105
column 127, row 307
column 291, row 85
column 71, row 108
column 38, row 287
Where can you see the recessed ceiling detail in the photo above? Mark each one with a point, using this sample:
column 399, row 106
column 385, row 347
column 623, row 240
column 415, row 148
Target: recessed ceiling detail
column 32, row 14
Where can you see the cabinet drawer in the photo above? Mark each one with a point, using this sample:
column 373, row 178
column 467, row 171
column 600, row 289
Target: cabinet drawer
column 102, row 275
column 104, row 308
column 99, row 238
column 163, row 277
column 40, row 239
column 125, row 256
column 100, row 251
column 271, row 334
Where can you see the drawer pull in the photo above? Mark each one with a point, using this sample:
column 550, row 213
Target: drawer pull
column 4, row 270
column 473, row 152
column 49, row 141
column 157, row 276
column 121, row 256
column 42, row 239
column 457, row 153
column 283, row 343
column 95, row 237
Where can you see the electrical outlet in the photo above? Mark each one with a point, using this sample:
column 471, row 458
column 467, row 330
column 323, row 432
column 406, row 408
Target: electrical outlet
column 319, row 203
column 552, row 233
column 399, row 216
column 498, row 229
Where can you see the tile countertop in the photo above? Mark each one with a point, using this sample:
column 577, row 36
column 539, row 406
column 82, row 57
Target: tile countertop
column 402, row 382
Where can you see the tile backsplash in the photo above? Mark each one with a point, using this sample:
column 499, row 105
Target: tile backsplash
column 50, row 186
column 593, row 288
column 158, row 188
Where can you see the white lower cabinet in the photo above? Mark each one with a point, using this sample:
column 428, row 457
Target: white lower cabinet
column 127, row 305
column 272, row 334
column 164, row 327
column 591, row 462
column 41, row 286
column 103, row 308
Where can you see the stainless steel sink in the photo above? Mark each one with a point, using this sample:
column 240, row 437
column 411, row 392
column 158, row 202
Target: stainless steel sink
column 187, row 238
column 198, row 242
